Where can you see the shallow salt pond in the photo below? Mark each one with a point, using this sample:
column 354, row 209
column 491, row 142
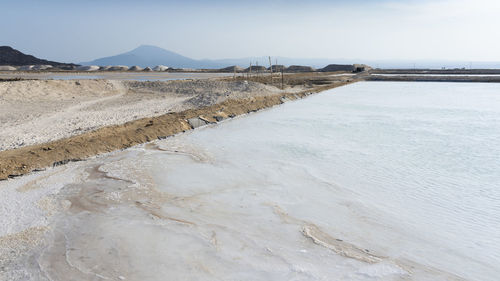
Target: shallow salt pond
column 371, row 181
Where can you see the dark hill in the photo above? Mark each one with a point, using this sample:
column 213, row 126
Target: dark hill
column 10, row 56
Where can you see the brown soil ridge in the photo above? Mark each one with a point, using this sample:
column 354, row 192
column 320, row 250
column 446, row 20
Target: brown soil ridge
column 20, row 161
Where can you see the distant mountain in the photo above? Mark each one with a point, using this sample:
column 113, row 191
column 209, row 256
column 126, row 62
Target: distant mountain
column 146, row 55
column 11, row 56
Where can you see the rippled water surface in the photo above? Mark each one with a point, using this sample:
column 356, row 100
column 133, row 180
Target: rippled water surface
column 371, row 181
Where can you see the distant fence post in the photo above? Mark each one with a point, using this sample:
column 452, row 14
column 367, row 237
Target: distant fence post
column 282, row 78
column 271, row 69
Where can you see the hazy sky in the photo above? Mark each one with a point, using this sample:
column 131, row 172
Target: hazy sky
column 71, row 30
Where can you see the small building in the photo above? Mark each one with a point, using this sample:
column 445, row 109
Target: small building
column 361, row 67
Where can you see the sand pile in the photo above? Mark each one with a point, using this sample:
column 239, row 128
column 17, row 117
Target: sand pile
column 160, row 68
column 338, row 67
column 233, row 68
column 118, row 68
column 277, row 67
column 256, row 68
column 299, row 68
column 136, row 68
column 42, row 67
column 7, row 68
column 26, row 67
column 88, row 68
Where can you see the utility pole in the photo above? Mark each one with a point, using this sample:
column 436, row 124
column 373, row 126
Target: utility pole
column 271, row 69
column 282, row 79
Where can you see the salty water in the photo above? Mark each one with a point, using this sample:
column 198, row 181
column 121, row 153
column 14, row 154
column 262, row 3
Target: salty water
column 370, row 181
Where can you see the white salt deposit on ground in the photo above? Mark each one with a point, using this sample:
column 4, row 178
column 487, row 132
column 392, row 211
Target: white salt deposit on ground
column 34, row 112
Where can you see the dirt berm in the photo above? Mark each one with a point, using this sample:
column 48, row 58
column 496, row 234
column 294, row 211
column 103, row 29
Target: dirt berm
column 16, row 162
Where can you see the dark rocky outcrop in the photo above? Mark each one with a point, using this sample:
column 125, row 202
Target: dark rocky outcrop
column 10, row 56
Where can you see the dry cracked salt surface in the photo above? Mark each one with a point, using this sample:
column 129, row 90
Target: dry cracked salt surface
column 39, row 111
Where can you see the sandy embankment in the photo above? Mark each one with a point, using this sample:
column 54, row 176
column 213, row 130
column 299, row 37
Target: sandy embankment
column 33, row 112
column 50, row 122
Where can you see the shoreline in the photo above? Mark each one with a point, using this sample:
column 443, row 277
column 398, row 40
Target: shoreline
column 107, row 137
column 20, row 161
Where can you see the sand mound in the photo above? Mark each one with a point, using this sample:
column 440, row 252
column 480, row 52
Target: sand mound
column 88, row 68
column 277, row 67
column 338, row 67
column 135, row 68
column 256, row 68
column 39, row 111
column 7, row 68
column 299, row 68
column 233, row 68
column 26, row 67
column 42, row 67
column 118, row 68
column 160, row 68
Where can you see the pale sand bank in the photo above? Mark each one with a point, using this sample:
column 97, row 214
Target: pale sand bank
column 34, row 112
column 54, row 122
